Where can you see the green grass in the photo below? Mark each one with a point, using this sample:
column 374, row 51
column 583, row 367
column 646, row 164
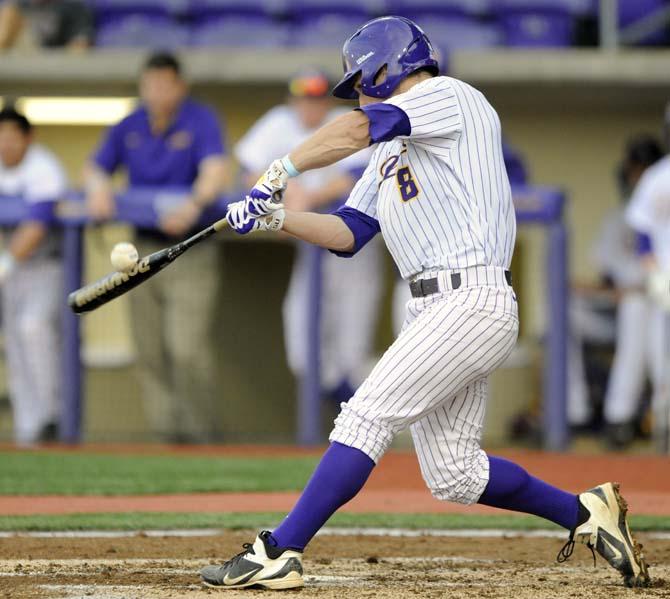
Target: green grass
column 237, row 521
column 99, row 474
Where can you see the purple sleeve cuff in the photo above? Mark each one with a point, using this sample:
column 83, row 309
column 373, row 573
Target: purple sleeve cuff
column 42, row 212
column 642, row 244
column 363, row 227
column 210, row 139
column 386, row 121
column 108, row 155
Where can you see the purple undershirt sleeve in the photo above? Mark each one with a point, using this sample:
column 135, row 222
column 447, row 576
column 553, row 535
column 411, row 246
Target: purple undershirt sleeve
column 43, row 211
column 110, row 152
column 209, row 137
column 363, row 227
column 642, row 244
column 386, row 122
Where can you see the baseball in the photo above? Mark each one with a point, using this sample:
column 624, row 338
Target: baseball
column 124, row 256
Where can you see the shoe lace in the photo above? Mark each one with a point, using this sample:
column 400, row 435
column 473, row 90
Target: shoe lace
column 248, row 548
column 566, row 551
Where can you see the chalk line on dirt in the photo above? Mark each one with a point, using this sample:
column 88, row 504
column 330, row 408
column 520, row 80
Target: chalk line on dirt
column 328, row 531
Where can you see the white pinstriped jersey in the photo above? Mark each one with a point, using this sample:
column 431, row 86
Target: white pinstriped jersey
column 441, row 194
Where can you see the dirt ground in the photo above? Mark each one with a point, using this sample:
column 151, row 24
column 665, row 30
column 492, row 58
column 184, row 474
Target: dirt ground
column 355, row 566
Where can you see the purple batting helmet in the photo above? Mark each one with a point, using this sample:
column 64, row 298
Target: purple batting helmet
column 396, row 43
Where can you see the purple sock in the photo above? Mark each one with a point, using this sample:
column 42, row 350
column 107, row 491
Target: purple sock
column 510, row 487
column 340, row 475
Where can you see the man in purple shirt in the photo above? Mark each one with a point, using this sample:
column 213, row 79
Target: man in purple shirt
column 171, row 141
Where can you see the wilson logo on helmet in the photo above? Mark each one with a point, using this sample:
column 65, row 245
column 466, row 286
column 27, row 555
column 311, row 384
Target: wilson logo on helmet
column 363, row 58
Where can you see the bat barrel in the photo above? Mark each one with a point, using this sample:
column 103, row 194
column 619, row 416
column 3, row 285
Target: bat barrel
column 100, row 292
column 113, row 285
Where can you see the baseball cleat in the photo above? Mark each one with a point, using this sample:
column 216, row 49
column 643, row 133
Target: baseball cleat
column 606, row 531
column 259, row 565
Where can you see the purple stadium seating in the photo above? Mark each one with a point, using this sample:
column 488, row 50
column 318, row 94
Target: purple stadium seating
column 631, row 11
column 110, row 10
column 415, row 8
column 449, row 33
column 451, row 23
column 202, row 10
column 312, row 10
column 325, row 31
column 142, row 31
column 535, row 23
column 240, row 31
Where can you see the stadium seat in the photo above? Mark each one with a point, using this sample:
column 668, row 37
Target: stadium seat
column 311, row 10
column 328, row 30
column 142, row 31
column 411, row 8
column 202, row 10
column 631, row 12
column 449, row 33
column 109, row 10
column 240, row 31
column 536, row 23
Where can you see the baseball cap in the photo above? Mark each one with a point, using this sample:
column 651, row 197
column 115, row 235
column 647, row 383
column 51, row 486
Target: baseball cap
column 309, row 83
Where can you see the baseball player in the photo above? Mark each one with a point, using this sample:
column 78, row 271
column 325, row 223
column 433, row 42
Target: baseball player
column 437, row 190
column 616, row 256
column 617, row 311
column 649, row 214
column 351, row 290
column 31, row 278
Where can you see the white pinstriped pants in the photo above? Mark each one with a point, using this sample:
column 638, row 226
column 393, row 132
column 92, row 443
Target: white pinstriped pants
column 31, row 306
column 434, row 379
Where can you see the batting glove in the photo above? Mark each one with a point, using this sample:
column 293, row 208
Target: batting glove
column 268, row 191
column 242, row 222
column 272, row 222
column 239, row 219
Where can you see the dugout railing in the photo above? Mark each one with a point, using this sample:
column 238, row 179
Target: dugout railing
column 535, row 206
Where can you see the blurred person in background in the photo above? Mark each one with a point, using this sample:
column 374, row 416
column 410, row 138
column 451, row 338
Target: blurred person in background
column 348, row 313
column 172, row 141
column 616, row 311
column 648, row 213
column 616, row 256
column 31, row 280
column 47, row 23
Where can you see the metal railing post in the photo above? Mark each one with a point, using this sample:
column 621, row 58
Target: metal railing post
column 71, row 409
column 309, row 398
column 554, row 413
column 608, row 24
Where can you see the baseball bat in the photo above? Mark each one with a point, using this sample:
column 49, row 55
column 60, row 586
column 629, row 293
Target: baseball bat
column 113, row 285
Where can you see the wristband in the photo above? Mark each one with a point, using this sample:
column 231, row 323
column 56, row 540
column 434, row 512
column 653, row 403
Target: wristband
column 291, row 171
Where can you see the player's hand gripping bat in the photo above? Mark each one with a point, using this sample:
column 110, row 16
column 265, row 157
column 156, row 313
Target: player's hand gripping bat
column 113, row 285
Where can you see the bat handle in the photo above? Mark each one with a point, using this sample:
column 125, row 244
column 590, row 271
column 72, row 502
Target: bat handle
column 220, row 224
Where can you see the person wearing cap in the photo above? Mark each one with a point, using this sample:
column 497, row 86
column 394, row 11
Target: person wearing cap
column 347, row 310
column 170, row 141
